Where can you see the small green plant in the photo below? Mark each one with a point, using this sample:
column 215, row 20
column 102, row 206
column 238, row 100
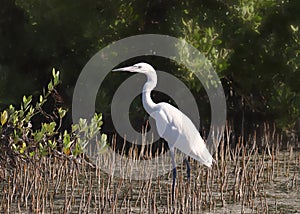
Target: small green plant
column 19, row 137
column 87, row 132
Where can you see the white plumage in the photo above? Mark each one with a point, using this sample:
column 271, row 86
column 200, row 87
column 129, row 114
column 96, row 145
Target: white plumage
column 172, row 125
column 179, row 131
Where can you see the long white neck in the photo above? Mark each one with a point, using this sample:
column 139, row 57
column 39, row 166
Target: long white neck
column 148, row 103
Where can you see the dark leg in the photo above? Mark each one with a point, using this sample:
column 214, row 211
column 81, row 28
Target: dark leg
column 188, row 169
column 173, row 184
column 174, row 173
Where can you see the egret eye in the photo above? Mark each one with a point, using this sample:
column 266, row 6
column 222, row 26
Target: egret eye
column 139, row 67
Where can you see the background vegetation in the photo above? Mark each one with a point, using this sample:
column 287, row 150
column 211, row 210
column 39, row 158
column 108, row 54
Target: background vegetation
column 253, row 45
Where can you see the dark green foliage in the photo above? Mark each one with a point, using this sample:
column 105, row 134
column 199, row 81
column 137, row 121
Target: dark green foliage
column 253, row 45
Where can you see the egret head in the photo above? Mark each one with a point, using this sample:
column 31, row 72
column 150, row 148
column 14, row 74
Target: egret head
column 141, row 67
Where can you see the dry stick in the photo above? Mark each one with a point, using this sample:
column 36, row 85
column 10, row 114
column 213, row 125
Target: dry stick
column 273, row 162
column 266, row 203
column 3, row 201
column 58, row 181
column 188, row 193
column 19, row 206
column 267, row 137
column 194, row 201
column 124, row 198
column 66, row 189
column 199, row 195
column 296, row 183
column 141, row 203
column 140, row 196
column 24, row 199
column 240, row 169
column 120, row 184
column 102, row 196
column 207, row 189
column 179, row 189
column 219, row 166
column 223, row 183
column 154, row 208
column 29, row 191
column 107, row 191
column 96, row 202
column 82, row 200
column 242, row 180
column 149, row 191
column 47, row 179
column 143, row 199
column 15, row 182
column 293, row 180
column 290, row 160
column 72, row 192
column 228, row 133
column 255, row 176
column 150, row 148
column 236, row 182
column 13, row 190
column 284, row 165
column 7, row 196
column 212, row 184
column 159, row 188
column 39, row 194
column 227, row 184
column 250, row 156
column 168, row 199
column 144, row 135
column 34, row 180
column 87, row 204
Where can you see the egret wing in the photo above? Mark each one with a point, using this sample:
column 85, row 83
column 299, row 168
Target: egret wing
column 180, row 132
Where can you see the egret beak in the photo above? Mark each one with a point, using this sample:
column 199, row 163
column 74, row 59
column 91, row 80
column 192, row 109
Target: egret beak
column 129, row 68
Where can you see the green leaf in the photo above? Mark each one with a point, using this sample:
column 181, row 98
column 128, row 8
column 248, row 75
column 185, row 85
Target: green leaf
column 48, row 128
column 52, row 144
column 53, row 72
column 75, row 127
column 50, row 86
column 103, row 144
column 294, row 28
column 26, row 102
column 183, row 22
column 66, row 140
column 23, row 148
column 217, row 42
column 62, row 112
column 41, row 147
column 31, row 154
column 55, row 77
column 38, row 136
column 4, row 117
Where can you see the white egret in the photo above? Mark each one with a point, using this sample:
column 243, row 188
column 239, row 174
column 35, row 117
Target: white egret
column 172, row 125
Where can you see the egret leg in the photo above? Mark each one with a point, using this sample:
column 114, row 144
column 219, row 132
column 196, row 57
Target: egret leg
column 188, row 169
column 174, row 173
